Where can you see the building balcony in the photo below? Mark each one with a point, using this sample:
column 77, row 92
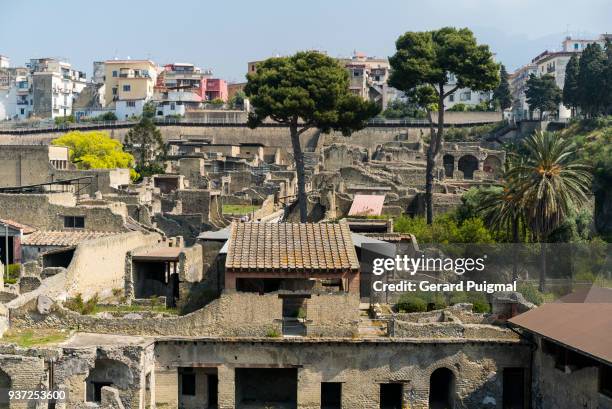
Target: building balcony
column 124, row 75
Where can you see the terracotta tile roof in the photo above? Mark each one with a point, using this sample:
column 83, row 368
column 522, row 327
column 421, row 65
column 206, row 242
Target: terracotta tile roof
column 61, row 238
column 286, row 247
column 583, row 327
column 18, row 226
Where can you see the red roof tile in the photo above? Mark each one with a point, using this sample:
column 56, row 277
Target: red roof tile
column 286, row 247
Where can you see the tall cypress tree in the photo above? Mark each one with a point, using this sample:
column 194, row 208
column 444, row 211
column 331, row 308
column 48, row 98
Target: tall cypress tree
column 571, row 88
column 501, row 95
column 592, row 92
column 607, row 78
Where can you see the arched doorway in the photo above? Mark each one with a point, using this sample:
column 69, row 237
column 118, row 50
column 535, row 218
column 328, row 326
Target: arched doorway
column 448, row 161
column 441, row 389
column 492, row 166
column 107, row 372
column 468, row 164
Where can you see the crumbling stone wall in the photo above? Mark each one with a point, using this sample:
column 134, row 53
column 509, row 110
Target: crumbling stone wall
column 336, row 156
column 360, row 365
column 24, row 373
column 233, row 314
column 42, row 212
column 126, row 366
column 332, row 314
column 555, row 388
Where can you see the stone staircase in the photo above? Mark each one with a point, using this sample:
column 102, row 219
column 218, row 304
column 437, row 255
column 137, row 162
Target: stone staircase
column 371, row 328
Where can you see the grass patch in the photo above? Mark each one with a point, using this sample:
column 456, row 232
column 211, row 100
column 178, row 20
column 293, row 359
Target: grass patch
column 239, row 209
column 30, row 338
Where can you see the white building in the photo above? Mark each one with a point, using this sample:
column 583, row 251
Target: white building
column 548, row 62
column 464, row 96
column 518, row 85
column 5, row 62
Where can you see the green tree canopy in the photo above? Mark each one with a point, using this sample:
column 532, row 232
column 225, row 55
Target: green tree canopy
column 543, row 94
column 399, row 108
column 304, row 91
column 591, row 87
column 237, row 100
column 95, row 150
column 571, row 89
column 502, row 95
column 146, row 142
column 421, row 67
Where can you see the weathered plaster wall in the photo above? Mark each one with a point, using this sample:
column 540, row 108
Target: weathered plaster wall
column 46, row 212
column 361, row 366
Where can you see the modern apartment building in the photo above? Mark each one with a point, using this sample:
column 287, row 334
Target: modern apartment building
column 55, row 86
column 552, row 63
column 518, row 86
column 129, row 84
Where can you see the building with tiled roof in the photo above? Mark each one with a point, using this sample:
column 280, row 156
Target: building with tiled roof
column 291, row 250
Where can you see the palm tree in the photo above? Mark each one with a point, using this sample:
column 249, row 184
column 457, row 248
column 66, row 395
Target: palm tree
column 501, row 209
column 547, row 185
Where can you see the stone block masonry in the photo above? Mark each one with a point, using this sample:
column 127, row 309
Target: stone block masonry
column 360, row 366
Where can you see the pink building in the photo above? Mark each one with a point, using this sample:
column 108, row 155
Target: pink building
column 214, row 88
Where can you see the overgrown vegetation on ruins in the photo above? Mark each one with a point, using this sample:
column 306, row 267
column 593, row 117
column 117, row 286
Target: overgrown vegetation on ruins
column 96, row 150
column 421, row 67
column 305, row 91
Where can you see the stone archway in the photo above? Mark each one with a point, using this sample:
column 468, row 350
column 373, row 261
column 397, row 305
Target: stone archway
column 448, row 161
column 492, row 166
column 468, row 164
column 107, row 372
column 442, row 389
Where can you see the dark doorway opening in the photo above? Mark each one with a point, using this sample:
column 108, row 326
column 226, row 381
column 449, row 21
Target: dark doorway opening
column 5, row 386
column 468, row 164
column 514, row 388
column 106, row 372
column 331, row 395
column 261, row 387
column 391, row 395
column 58, row 258
column 213, row 391
column 156, row 279
column 198, row 387
column 441, row 389
column 448, row 161
column 11, row 255
column 97, row 388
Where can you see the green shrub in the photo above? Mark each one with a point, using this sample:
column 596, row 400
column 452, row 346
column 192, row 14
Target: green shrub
column 479, row 301
column 531, row 293
column 411, row 303
column 14, row 270
column 273, row 333
column 77, row 304
column 301, row 314
column 437, row 302
column 90, row 305
column 458, row 297
column 481, row 307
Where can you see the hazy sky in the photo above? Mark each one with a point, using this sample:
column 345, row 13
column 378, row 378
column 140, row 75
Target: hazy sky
column 224, row 34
